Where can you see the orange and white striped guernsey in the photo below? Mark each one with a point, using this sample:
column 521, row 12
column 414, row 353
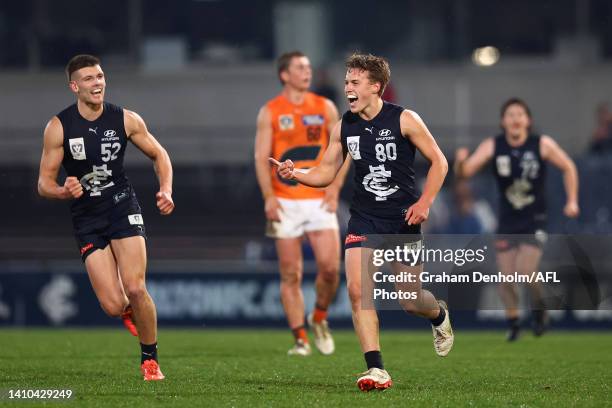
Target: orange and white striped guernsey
column 299, row 133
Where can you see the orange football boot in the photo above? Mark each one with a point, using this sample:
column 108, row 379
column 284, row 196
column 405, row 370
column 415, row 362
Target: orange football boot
column 126, row 316
column 151, row 372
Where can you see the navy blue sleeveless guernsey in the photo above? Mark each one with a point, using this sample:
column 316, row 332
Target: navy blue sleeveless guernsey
column 93, row 153
column 521, row 178
column 383, row 159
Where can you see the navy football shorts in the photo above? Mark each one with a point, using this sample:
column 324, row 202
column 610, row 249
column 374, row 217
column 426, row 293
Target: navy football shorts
column 363, row 232
column 509, row 237
column 118, row 216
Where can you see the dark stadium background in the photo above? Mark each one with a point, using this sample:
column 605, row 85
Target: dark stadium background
column 197, row 71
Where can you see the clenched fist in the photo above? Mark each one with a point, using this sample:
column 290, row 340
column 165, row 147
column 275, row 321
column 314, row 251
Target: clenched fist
column 73, row 187
column 164, row 202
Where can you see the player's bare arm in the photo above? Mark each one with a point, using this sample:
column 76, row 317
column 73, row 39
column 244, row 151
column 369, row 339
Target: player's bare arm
column 139, row 135
column 466, row 166
column 554, row 154
column 323, row 174
column 263, row 150
column 332, row 192
column 415, row 129
column 50, row 162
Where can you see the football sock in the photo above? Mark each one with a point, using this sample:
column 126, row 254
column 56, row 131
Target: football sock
column 513, row 322
column 374, row 359
column 319, row 314
column 438, row 320
column 300, row 334
column 148, row 352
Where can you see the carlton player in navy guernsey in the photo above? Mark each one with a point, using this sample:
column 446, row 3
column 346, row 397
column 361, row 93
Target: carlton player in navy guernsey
column 381, row 140
column 519, row 163
column 89, row 139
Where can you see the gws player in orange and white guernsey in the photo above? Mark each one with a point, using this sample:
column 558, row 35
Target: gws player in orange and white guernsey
column 296, row 125
column 89, row 139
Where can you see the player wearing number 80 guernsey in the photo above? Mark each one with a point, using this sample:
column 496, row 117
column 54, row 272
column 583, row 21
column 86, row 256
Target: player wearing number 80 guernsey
column 381, row 140
column 383, row 160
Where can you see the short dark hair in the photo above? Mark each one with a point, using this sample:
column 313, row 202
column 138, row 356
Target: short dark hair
column 515, row 101
column 377, row 68
column 80, row 61
column 283, row 62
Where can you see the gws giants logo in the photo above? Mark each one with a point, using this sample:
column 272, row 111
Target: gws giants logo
column 377, row 183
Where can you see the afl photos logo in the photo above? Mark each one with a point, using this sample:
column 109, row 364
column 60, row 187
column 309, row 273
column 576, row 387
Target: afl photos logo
column 77, row 148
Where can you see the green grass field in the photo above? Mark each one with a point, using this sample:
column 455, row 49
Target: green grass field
column 250, row 368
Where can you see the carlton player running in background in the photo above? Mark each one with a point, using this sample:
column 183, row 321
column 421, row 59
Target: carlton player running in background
column 381, row 140
column 89, row 139
column 520, row 158
column 296, row 125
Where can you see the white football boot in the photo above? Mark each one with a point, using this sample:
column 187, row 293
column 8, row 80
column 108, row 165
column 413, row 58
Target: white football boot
column 300, row 348
column 443, row 334
column 374, row 378
column 322, row 336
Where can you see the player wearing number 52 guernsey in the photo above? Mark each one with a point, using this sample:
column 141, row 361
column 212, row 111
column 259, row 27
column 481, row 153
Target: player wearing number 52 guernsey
column 89, row 139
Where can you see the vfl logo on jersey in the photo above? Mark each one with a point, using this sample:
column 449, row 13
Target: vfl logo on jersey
column 377, row 183
column 313, row 120
column 503, row 166
column 352, row 143
column 77, row 148
column 285, row 122
column 384, row 132
column 109, row 133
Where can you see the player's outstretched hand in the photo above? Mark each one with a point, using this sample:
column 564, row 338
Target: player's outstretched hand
column 417, row 213
column 285, row 169
column 571, row 210
column 164, row 202
column 73, row 187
